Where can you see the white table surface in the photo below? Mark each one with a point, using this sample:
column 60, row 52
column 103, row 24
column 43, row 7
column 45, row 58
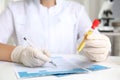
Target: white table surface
column 7, row 71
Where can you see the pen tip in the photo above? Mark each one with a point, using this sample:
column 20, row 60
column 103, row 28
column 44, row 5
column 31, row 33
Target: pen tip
column 53, row 63
column 24, row 38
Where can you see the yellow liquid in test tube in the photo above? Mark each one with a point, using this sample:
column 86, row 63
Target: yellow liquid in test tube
column 82, row 44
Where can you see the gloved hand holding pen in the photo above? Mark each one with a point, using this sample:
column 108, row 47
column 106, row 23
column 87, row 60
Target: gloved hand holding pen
column 29, row 56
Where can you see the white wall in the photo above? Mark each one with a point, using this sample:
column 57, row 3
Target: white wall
column 116, row 9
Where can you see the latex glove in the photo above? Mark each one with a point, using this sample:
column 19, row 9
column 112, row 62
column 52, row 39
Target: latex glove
column 97, row 47
column 30, row 56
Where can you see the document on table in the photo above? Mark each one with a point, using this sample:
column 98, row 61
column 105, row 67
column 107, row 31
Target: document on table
column 64, row 67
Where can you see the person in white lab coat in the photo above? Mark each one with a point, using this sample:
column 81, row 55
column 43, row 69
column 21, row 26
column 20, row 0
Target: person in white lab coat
column 53, row 26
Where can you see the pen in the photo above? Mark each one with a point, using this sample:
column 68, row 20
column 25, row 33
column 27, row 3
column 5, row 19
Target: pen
column 32, row 45
column 89, row 32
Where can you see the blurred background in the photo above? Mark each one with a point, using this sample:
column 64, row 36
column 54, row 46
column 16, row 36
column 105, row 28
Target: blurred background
column 108, row 11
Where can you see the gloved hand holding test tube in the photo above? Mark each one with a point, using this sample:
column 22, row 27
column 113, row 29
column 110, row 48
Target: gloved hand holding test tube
column 94, row 25
column 50, row 61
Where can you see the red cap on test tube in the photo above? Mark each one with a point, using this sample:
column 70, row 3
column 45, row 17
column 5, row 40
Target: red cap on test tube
column 96, row 22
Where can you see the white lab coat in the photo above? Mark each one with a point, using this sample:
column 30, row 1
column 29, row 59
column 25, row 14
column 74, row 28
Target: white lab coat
column 56, row 29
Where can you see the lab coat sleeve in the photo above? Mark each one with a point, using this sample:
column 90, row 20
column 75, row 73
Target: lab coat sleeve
column 84, row 21
column 6, row 25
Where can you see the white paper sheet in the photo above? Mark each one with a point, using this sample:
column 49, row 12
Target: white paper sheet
column 63, row 66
